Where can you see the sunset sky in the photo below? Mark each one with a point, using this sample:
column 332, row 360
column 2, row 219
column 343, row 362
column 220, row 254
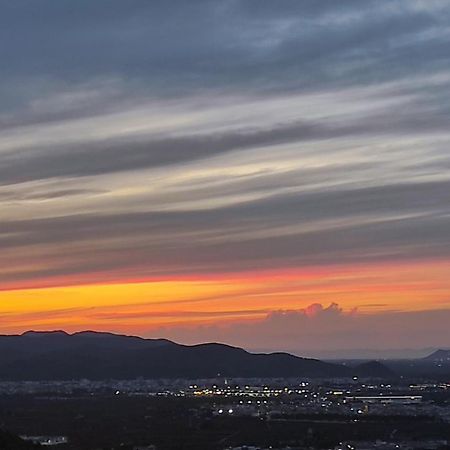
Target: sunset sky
column 269, row 174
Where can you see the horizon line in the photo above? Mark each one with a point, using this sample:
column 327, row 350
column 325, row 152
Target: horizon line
column 430, row 350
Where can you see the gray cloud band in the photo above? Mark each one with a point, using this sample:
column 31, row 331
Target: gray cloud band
column 314, row 204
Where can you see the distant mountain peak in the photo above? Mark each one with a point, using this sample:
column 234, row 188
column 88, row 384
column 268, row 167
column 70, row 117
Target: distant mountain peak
column 439, row 355
column 374, row 369
column 91, row 333
column 32, row 333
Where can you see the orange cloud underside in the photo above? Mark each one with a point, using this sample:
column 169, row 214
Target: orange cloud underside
column 140, row 306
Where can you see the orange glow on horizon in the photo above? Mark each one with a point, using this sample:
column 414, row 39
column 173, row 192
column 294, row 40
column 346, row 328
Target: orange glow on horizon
column 135, row 306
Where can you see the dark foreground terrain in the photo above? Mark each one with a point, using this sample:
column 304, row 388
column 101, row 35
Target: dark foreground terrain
column 61, row 356
column 112, row 420
column 92, row 391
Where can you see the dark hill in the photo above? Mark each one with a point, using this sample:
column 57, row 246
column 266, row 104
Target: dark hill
column 9, row 441
column 92, row 355
column 374, row 369
column 439, row 356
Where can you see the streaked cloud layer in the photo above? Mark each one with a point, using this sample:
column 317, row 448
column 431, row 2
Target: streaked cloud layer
column 216, row 142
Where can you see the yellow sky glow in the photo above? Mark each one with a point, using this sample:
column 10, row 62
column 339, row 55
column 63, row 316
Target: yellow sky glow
column 131, row 306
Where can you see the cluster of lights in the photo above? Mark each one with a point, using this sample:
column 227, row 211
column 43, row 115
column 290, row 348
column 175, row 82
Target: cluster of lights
column 266, row 391
column 229, row 411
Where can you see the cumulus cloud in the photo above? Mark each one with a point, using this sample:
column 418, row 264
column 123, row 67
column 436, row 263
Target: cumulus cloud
column 327, row 331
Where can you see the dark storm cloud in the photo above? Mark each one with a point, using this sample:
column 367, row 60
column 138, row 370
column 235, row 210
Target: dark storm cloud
column 124, row 154
column 291, row 133
column 402, row 199
column 395, row 222
column 166, row 48
column 95, row 158
column 156, row 48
